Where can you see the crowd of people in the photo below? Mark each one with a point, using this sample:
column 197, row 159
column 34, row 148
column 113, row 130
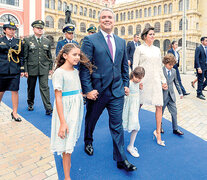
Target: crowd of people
column 99, row 70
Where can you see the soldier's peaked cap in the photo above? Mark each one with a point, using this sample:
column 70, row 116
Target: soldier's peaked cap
column 9, row 25
column 38, row 24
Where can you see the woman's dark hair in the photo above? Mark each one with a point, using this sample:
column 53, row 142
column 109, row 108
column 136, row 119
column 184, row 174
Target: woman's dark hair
column 172, row 43
column 60, row 60
column 138, row 72
column 146, row 31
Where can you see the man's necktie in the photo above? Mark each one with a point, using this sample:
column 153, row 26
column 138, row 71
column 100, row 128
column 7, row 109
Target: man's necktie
column 168, row 74
column 110, row 45
column 38, row 40
column 206, row 53
column 136, row 44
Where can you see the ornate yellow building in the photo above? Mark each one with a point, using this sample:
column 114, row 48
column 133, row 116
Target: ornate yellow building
column 131, row 18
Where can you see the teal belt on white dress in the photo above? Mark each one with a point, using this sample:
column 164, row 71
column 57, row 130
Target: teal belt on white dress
column 69, row 93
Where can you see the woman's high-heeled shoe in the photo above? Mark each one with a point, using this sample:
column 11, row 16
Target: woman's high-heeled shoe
column 161, row 143
column 16, row 119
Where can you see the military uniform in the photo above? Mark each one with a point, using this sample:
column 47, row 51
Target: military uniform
column 38, row 63
column 11, row 62
column 67, row 28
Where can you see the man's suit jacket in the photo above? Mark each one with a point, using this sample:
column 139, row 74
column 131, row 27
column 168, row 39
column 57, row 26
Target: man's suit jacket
column 38, row 57
column 173, row 52
column 6, row 66
column 200, row 58
column 60, row 44
column 107, row 71
column 130, row 50
column 173, row 79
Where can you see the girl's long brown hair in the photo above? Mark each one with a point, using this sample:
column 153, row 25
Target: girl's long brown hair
column 60, row 60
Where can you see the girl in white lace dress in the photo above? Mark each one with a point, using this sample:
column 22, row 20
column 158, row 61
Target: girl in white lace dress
column 131, row 108
column 149, row 57
column 68, row 107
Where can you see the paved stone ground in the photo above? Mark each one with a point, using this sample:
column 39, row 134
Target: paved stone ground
column 25, row 152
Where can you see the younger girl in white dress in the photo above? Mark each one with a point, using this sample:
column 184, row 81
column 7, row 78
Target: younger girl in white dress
column 68, row 107
column 131, row 108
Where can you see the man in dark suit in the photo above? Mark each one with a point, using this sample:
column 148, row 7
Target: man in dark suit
column 38, row 64
column 201, row 67
column 131, row 46
column 68, row 29
column 174, row 46
column 106, row 86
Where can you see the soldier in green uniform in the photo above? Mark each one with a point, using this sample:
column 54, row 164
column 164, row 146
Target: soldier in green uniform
column 11, row 65
column 90, row 30
column 38, row 64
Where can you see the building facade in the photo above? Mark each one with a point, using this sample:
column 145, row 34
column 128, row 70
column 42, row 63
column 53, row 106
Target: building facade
column 22, row 13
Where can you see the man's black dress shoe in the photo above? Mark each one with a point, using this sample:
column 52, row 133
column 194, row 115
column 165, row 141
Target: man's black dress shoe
column 48, row 111
column 185, row 94
column 16, row 119
column 178, row 132
column 89, row 149
column 30, row 108
column 201, row 97
column 126, row 165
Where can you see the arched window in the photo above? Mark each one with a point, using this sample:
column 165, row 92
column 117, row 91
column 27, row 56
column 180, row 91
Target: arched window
column 137, row 14
column 122, row 31
column 65, row 6
column 166, row 45
column 140, row 13
column 116, row 31
column 121, row 18
column 59, row 5
column 85, row 11
column 181, row 25
column 147, row 25
column 52, row 4
column 128, row 15
column 94, row 14
column 138, row 29
column 90, row 13
column 81, row 10
column 124, row 16
column 71, row 7
column 47, row 4
column 61, row 23
column 117, row 17
column 181, row 5
column 49, row 22
column 149, row 11
column 159, row 10
column 145, row 12
column 170, row 8
column 75, row 9
column 156, row 43
column 167, row 27
column 180, row 42
column 9, row 17
column 130, row 30
column 82, row 27
column 132, row 14
column 157, row 27
column 165, row 9
column 155, row 11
